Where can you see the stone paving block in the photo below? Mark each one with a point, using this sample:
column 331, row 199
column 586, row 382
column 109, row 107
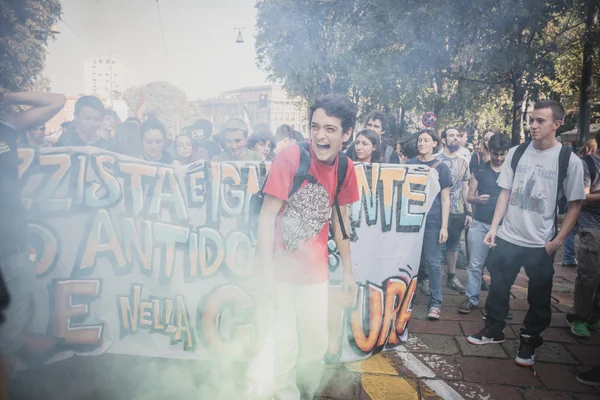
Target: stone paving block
column 562, row 286
column 488, row 350
column 517, row 318
column 563, row 298
column 432, row 344
column 543, row 394
column 581, row 396
column 470, row 328
column 426, row 392
column 454, row 300
column 419, row 311
column 586, row 355
column 561, row 335
column 443, row 366
column 388, row 387
column 489, row 392
column 558, row 320
column 519, row 305
column 376, row 364
column 440, row 327
column 560, row 377
column 519, row 292
column 593, row 340
column 450, row 313
column 339, row 384
column 562, row 308
column 548, row 352
column 494, row 371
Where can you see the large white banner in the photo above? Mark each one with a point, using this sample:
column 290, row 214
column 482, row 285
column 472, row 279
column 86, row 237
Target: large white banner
column 157, row 260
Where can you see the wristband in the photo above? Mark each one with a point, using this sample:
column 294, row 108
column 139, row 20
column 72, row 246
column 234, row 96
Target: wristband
column 469, row 213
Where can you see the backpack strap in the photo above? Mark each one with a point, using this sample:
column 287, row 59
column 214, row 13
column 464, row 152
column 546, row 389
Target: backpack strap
column 303, row 168
column 591, row 168
column 563, row 166
column 389, row 150
column 341, row 177
column 517, row 155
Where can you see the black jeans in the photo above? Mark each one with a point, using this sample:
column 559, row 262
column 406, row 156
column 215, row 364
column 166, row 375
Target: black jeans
column 504, row 262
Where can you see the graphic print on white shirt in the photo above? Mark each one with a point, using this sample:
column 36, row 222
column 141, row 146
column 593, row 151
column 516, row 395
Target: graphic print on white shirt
column 529, row 218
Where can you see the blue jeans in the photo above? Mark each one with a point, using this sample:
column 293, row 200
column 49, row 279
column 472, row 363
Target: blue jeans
column 479, row 252
column 430, row 256
column 569, row 254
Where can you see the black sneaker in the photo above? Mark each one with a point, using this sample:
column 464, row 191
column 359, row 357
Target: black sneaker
column 486, row 336
column 591, row 377
column 526, row 354
column 484, row 285
column 466, row 307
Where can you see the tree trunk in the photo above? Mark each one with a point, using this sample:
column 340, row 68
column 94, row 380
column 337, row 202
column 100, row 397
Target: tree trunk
column 587, row 72
column 402, row 125
column 526, row 100
column 518, row 96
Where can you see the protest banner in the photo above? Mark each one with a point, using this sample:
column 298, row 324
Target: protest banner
column 156, row 260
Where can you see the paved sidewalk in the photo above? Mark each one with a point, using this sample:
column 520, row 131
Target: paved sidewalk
column 437, row 362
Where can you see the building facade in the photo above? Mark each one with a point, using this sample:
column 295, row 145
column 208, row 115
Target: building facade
column 105, row 78
column 264, row 105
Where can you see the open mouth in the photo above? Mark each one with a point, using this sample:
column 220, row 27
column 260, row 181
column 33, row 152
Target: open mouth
column 323, row 147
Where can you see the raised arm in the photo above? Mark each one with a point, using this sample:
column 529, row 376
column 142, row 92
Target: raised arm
column 43, row 107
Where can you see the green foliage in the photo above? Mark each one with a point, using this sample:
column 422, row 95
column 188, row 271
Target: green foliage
column 25, row 27
column 168, row 102
column 472, row 63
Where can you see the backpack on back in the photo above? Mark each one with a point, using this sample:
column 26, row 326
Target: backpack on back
column 300, row 176
column 563, row 165
column 591, row 168
column 387, row 156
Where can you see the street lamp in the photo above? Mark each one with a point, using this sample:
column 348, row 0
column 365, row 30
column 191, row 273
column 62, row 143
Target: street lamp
column 239, row 38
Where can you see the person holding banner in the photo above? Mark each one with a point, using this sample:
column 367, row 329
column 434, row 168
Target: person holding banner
column 15, row 266
column 234, row 134
column 436, row 225
column 292, row 241
column 154, row 138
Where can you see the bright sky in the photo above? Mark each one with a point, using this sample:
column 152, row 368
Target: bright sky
column 203, row 56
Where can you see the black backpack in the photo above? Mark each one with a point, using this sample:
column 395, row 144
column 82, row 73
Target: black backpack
column 301, row 175
column 563, row 165
column 591, row 168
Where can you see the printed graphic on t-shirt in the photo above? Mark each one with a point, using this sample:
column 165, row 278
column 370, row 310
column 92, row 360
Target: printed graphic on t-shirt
column 529, row 197
column 305, row 215
column 4, row 147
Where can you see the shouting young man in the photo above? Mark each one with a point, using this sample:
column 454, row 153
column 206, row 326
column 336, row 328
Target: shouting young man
column 529, row 235
column 292, row 239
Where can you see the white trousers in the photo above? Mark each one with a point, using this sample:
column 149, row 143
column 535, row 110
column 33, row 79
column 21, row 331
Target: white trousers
column 301, row 339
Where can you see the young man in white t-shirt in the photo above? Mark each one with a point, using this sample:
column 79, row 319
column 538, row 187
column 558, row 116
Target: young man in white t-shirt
column 528, row 236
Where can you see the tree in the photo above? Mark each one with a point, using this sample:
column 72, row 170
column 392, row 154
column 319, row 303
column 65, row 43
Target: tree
column 25, row 27
column 307, row 45
column 168, row 102
column 587, row 73
column 41, row 84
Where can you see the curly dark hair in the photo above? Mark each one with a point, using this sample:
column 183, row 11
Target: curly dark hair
column 339, row 106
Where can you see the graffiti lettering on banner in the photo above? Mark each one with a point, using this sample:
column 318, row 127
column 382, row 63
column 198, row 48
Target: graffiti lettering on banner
column 141, row 258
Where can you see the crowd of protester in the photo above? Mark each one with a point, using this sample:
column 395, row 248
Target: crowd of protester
column 486, row 197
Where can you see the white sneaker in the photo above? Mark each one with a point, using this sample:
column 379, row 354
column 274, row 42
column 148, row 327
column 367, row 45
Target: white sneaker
column 434, row 313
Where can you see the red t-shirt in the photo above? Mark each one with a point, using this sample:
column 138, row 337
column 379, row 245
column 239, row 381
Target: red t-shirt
column 301, row 228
